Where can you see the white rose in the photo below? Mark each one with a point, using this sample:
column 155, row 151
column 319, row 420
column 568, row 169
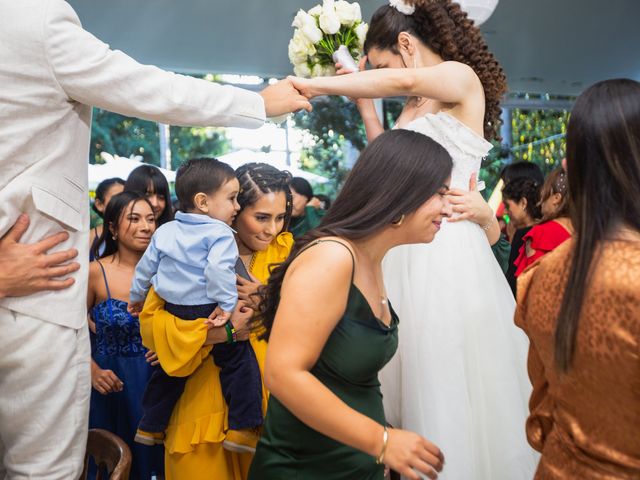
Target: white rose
column 316, row 11
column 361, row 31
column 329, row 20
column 403, row 7
column 300, row 48
column 312, row 32
column 328, row 71
column 307, row 24
column 317, row 70
column 300, row 19
column 302, row 70
column 322, row 71
column 349, row 13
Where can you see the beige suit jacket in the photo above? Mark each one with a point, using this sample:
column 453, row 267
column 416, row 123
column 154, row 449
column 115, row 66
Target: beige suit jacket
column 51, row 73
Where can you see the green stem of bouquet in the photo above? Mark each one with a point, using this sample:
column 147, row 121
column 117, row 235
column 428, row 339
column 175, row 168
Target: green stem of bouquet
column 326, row 47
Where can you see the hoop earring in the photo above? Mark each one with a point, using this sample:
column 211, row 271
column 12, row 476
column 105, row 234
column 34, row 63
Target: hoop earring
column 397, row 223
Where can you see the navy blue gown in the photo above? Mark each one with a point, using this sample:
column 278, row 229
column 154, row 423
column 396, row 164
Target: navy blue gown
column 118, row 347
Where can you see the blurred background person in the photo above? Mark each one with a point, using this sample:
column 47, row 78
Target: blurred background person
column 521, row 199
column 555, row 226
column 104, row 191
column 304, row 216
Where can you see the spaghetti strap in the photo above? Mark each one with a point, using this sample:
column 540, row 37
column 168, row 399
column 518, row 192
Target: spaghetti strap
column 106, row 284
column 353, row 260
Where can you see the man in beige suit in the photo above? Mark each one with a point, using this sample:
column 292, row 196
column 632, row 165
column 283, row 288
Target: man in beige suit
column 51, row 73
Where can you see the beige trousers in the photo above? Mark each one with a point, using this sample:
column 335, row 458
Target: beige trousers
column 45, row 386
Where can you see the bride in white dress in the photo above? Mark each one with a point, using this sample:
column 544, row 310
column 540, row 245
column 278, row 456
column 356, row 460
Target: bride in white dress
column 459, row 377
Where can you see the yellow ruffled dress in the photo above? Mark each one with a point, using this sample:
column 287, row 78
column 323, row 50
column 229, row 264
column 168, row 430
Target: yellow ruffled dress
column 193, row 442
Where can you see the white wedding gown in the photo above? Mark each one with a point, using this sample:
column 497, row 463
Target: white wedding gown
column 459, row 377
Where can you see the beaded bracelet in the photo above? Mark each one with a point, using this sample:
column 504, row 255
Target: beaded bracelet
column 232, row 336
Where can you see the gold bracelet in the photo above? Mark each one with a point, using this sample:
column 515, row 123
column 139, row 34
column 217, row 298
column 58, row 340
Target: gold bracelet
column 385, row 441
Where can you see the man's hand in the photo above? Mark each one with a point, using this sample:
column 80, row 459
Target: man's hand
column 28, row 268
column 281, row 98
column 305, row 86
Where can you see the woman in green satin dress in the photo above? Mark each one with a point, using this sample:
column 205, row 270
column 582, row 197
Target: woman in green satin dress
column 331, row 328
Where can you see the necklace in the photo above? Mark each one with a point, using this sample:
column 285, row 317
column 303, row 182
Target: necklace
column 248, row 262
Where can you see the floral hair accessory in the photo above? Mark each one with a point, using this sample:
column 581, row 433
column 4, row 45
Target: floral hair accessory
column 560, row 185
column 402, row 6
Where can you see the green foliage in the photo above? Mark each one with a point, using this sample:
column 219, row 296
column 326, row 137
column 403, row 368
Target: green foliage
column 539, row 137
column 334, row 126
column 125, row 136
column 193, row 142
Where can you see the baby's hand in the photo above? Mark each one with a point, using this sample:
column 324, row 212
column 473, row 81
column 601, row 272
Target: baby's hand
column 134, row 308
column 217, row 318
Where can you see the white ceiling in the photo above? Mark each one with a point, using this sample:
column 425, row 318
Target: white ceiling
column 546, row 46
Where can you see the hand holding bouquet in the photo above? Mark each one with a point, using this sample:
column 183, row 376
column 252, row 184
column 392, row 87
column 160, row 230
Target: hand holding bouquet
column 327, row 34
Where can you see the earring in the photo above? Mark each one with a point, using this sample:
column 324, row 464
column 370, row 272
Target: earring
column 114, row 236
column 397, row 223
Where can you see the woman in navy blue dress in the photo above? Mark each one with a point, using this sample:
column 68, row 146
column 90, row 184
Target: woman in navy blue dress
column 119, row 368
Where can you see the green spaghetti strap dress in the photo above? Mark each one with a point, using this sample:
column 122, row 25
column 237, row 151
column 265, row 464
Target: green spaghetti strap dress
column 357, row 349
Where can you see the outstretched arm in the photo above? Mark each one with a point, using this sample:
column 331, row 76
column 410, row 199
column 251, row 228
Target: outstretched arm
column 447, row 82
column 92, row 73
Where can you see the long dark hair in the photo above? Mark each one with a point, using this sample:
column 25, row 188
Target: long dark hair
column 147, row 179
column 603, row 168
column 256, row 179
column 102, row 189
column 444, row 27
column 395, row 174
column 113, row 214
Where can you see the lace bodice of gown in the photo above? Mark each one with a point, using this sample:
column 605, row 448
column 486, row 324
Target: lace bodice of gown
column 465, row 146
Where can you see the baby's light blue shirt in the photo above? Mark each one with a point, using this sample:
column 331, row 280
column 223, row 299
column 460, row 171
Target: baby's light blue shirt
column 190, row 261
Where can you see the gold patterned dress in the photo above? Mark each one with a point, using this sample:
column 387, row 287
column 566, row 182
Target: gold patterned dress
column 194, row 436
column 586, row 423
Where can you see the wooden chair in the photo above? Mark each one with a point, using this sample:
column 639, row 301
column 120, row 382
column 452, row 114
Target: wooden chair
column 110, row 453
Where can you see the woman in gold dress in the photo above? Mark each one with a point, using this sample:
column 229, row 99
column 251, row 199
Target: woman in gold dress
column 580, row 305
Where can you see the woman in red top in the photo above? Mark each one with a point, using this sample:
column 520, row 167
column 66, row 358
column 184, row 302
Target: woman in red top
column 555, row 226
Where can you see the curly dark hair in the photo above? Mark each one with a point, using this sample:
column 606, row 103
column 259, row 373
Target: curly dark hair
column 257, row 179
column 527, row 188
column 445, row 29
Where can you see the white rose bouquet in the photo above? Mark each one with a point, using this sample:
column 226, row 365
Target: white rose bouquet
column 327, row 34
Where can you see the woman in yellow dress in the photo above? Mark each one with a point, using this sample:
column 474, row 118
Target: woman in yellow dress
column 193, row 441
